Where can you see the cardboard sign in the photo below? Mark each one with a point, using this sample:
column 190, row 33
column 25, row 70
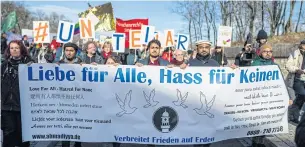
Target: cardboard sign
column 160, row 36
column 169, row 38
column 134, row 39
column 182, row 42
column 118, row 42
column 65, row 32
column 86, row 28
column 93, row 18
column 41, row 31
column 147, row 34
column 224, row 38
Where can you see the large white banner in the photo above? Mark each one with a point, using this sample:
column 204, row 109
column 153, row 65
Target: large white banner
column 150, row 105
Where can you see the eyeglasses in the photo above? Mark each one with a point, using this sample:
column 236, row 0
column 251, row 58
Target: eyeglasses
column 268, row 52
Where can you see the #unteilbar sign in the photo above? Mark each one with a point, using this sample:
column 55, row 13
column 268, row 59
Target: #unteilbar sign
column 150, row 105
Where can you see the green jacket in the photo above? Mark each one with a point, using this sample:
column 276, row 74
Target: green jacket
column 258, row 61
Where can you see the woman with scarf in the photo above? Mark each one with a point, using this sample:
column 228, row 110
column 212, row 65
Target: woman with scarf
column 107, row 50
column 15, row 54
column 179, row 58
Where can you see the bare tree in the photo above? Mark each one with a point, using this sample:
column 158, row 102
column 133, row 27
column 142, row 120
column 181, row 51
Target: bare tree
column 225, row 13
column 300, row 12
column 184, row 8
column 274, row 10
column 288, row 27
column 252, row 5
column 40, row 15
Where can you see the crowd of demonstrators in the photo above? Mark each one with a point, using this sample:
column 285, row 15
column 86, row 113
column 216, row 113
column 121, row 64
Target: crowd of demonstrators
column 22, row 52
column 15, row 54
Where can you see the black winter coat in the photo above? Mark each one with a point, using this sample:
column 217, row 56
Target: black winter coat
column 10, row 95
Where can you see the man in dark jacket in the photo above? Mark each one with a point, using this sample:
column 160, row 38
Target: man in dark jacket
column 70, row 57
column 203, row 56
column 154, row 58
column 91, row 57
column 70, row 50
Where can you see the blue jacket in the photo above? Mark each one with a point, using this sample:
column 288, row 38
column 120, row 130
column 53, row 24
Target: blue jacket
column 209, row 62
column 161, row 61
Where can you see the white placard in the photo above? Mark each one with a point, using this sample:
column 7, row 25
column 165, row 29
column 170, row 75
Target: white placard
column 41, row 31
column 147, row 34
column 65, row 32
column 118, row 42
column 224, row 38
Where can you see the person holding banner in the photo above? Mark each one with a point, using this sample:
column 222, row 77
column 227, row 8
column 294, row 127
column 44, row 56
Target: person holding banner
column 264, row 58
column 203, row 56
column 91, row 57
column 70, row 54
column 179, row 58
column 70, row 57
column 15, row 54
column 154, row 59
column 107, row 50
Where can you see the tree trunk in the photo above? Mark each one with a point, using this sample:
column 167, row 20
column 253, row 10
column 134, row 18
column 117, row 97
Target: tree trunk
column 190, row 31
column 288, row 27
column 253, row 7
column 296, row 28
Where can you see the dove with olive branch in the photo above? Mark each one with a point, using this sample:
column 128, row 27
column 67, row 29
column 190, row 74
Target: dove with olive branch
column 125, row 105
column 150, row 99
column 181, row 99
column 204, row 109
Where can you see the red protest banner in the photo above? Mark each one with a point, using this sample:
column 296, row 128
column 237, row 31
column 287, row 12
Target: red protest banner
column 123, row 26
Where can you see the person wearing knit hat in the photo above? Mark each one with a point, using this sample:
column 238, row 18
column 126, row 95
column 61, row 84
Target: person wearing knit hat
column 70, row 50
column 203, row 56
column 261, row 37
column 265, row 56
column 70, row 54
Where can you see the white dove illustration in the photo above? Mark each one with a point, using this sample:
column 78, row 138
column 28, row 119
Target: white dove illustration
column 180, row 101
column 125, row 105
column 208, row 106
column 150, row 99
